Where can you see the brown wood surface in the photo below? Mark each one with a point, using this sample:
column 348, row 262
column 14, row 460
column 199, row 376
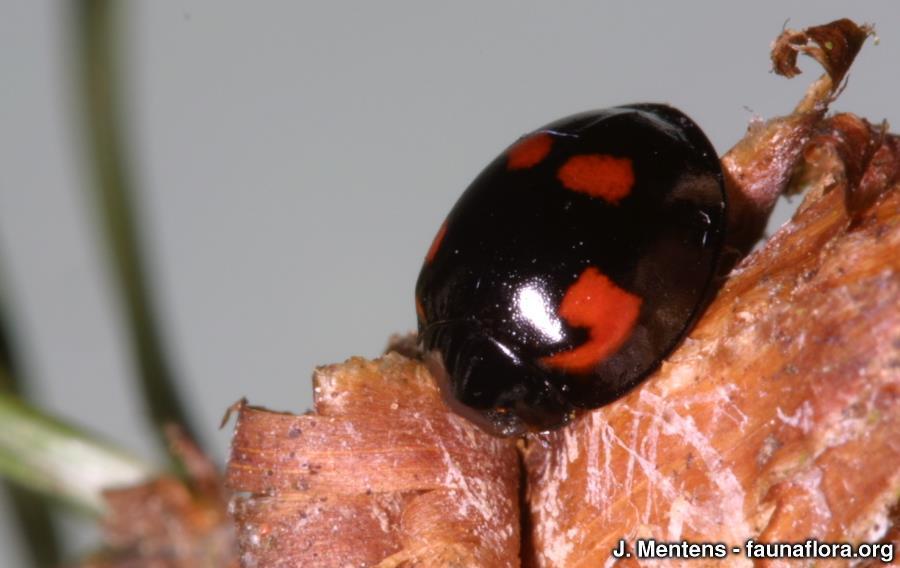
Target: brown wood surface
column 382, row 474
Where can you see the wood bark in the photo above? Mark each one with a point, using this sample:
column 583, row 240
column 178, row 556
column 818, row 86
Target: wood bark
column 382, row 474
column 170, row 522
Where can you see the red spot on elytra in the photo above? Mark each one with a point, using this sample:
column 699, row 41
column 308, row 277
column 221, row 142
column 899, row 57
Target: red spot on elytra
column 529, row 151
column 609, row 313
column 598, row 175
column 436, row 243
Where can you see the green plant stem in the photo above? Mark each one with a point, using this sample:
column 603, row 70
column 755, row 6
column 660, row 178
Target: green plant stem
column 114, row 190
column 56, row 461
column 33, row 515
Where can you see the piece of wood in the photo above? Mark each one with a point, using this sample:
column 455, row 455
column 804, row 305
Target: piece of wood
column 169, row 522
column 382, row 474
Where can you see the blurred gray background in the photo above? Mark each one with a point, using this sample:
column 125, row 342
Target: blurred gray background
column 294, row 160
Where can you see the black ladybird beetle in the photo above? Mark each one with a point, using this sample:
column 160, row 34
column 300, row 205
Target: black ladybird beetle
column 572, row 266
